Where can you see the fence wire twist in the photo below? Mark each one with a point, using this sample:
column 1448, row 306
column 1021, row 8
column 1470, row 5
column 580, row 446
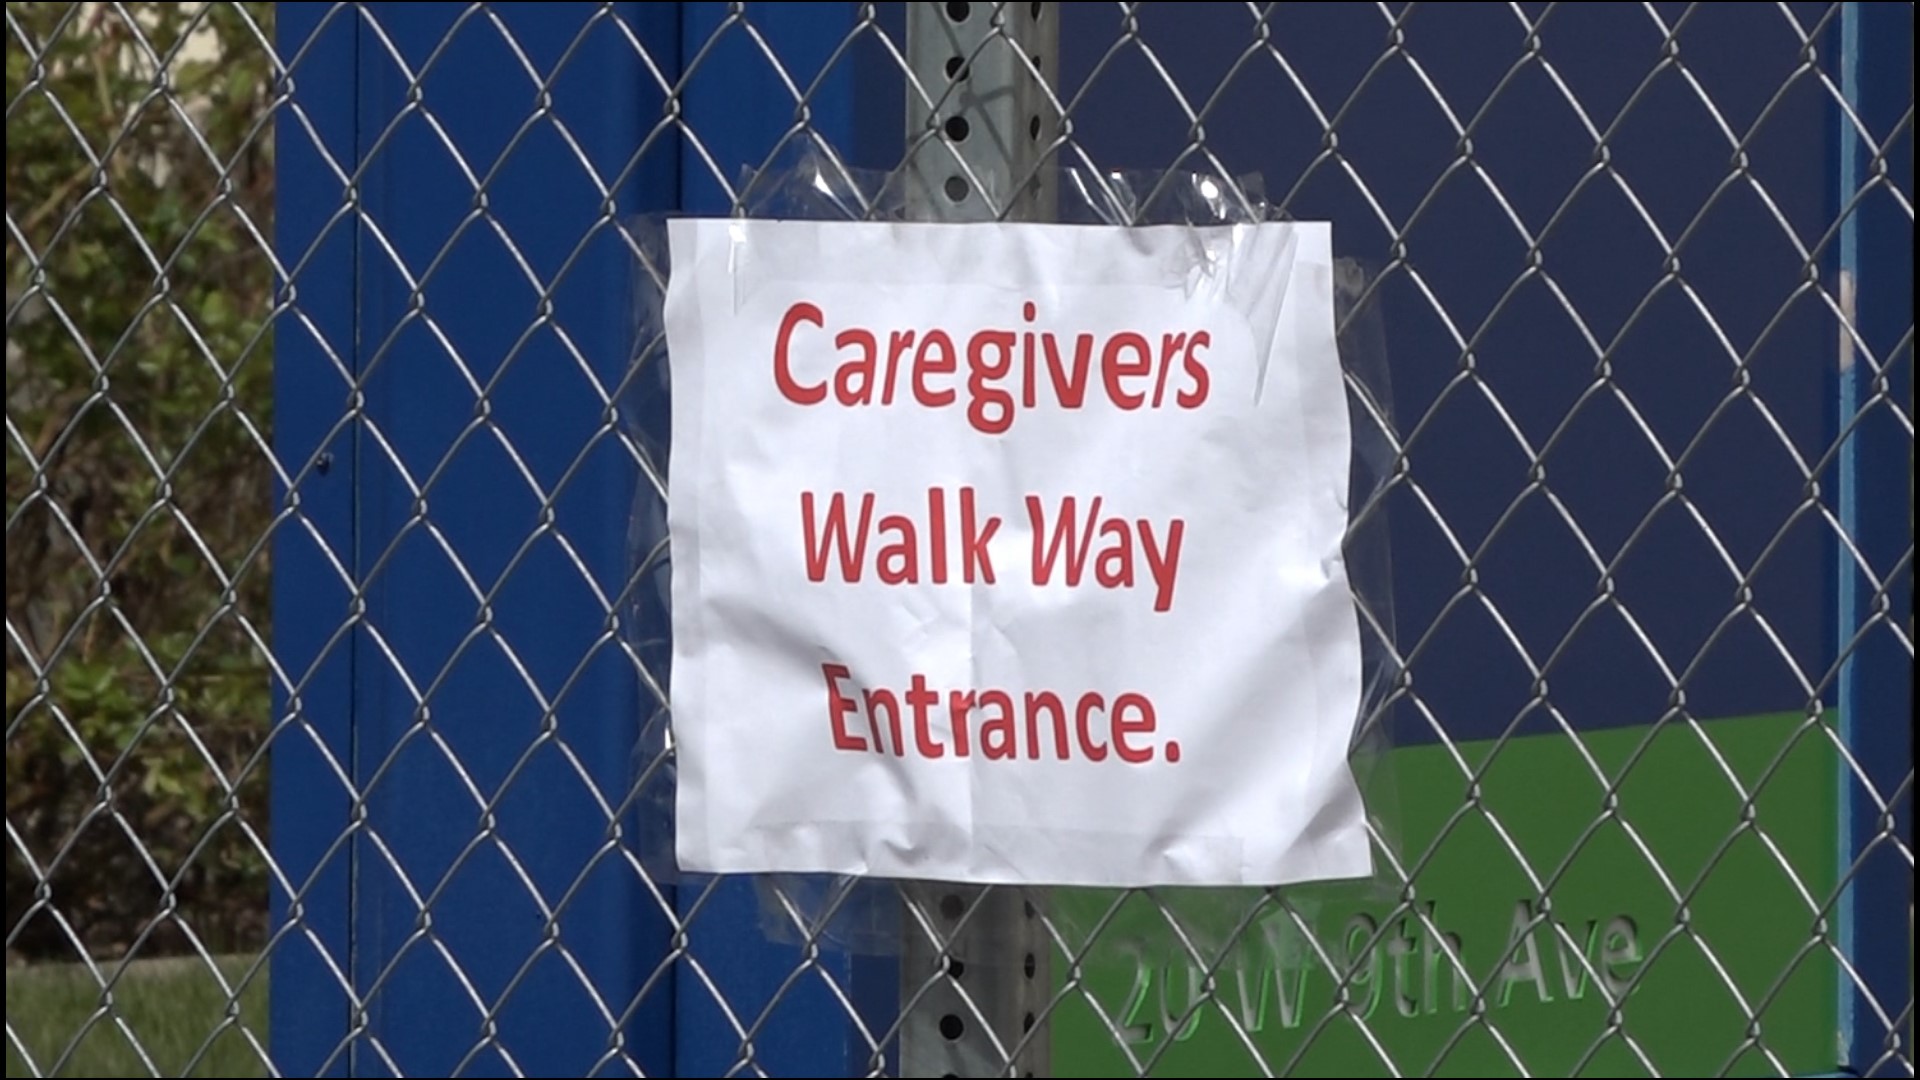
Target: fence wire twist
column 152, row 497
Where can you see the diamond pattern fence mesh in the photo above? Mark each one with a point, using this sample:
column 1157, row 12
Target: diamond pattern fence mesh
column 330, row 646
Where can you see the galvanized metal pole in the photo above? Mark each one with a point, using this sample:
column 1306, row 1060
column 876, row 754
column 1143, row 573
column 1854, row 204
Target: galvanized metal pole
column 980, row 119
column 975, row 971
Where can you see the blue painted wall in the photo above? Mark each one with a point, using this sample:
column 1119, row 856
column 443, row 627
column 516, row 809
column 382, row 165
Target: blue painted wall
column 460, row 290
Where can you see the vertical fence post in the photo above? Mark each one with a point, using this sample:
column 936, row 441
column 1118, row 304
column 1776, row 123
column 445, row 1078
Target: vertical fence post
column 1874, row 507
column 975, row 961
column 313, row 541
column 760, row 80
column 495, row 926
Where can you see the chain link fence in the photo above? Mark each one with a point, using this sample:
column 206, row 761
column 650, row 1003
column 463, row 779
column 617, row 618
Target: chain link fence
column 326, row 656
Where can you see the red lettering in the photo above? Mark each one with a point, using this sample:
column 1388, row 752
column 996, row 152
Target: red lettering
column 1197, row 394
column 898, row 343
column 989, row 408
column 925, row 363
column 874, row 701
column 933, row 357
column 1170, row 346
column 920, row 699
column 937, row 532
column 835, row 535
column 1114, row 566
column 976, row 562
column 782, row 365
column 1122, row 729
column 845, row 391
column 1124, row 726
column 1089, row 703
column 899, row 561
column 997, row 736
column 838, row 707
column 1163, row 565
column 959, row 704
column 1070, row 389
column 1113, row 368
column 1027, row 366
column 1063, row 537
column 1043, row 702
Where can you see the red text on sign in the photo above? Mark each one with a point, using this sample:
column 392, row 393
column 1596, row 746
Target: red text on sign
column 994, row 725
column 856, row 366
column 1073, row 542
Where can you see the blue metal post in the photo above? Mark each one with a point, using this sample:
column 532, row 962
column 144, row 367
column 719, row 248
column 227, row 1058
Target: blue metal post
column 499, row 141
column 740, row 109
column 474, row 888
column 1874, row 256
column 313, row 540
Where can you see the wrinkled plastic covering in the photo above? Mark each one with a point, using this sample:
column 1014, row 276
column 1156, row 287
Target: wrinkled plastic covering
column 1239, row 928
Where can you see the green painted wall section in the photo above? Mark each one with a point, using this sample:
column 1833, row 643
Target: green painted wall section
column 1699, row 905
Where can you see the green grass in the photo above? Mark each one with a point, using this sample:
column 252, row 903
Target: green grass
column 174, row 1009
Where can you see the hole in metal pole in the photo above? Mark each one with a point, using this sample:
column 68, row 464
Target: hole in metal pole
column 1032, row 965
column 958, row 10
column 958, row 70
column 952, row 1027
column 951, row 906
column 1036, row 8
column 1033, row 128
column 956, row 187
column 955, row 967
column 958, row 128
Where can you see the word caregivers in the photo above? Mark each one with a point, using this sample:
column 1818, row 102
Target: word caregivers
column 816, row 361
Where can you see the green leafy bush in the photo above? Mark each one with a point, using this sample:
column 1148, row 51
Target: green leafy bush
column 138, row 374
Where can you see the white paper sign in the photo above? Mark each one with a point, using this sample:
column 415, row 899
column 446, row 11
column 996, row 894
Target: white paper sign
column 1011, row 553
